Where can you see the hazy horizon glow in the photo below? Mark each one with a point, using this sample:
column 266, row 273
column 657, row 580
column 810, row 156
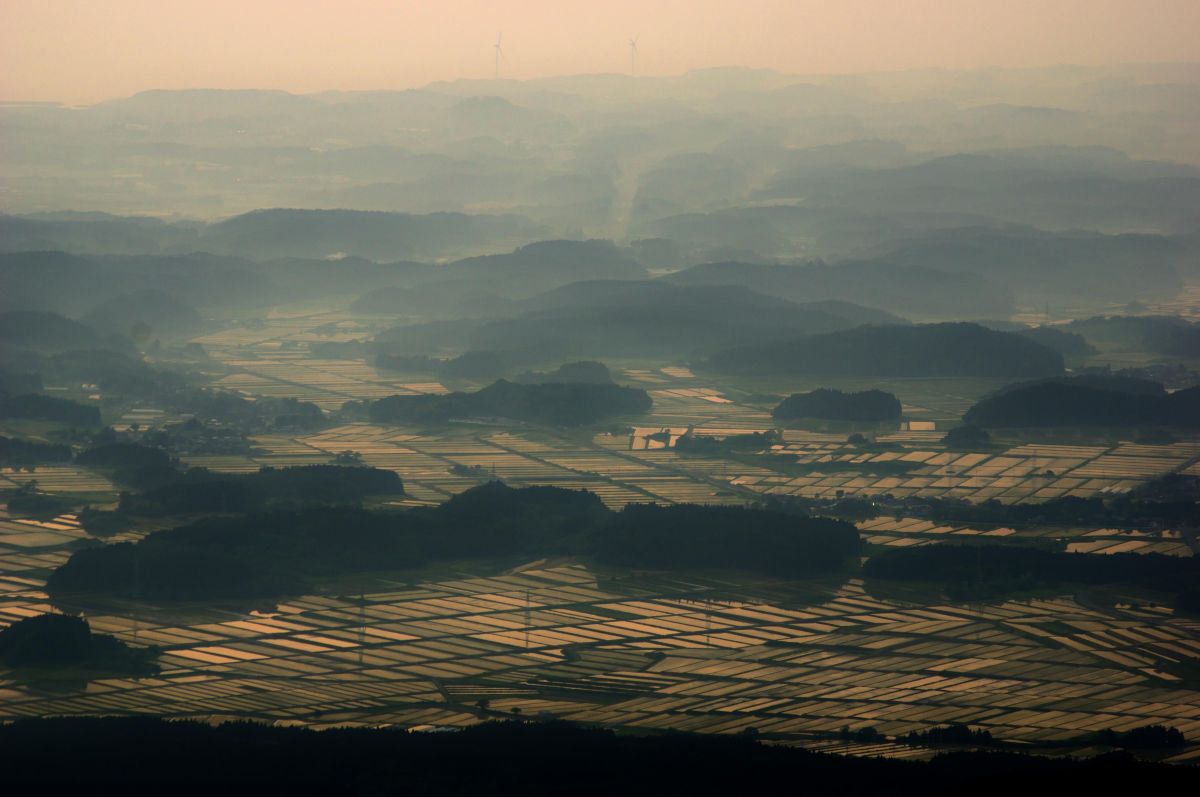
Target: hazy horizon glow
column 82, row 52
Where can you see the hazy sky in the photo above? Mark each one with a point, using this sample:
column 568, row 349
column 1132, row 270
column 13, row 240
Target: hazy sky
column 87, row 50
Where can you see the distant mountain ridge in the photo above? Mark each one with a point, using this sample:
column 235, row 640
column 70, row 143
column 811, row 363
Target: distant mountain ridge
column 903, row 289
column 272, row 233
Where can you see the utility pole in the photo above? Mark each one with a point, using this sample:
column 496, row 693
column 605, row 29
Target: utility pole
column 528, row 619
column 362, row 626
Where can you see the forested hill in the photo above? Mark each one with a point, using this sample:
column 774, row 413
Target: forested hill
column 1056, row 403
column 835, row 405
column 555, row 404
column 282, row 552
column 951, row 349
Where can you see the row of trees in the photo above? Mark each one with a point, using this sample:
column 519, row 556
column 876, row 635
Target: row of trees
column 979, row 570
column 36, row 407
column 1172, row 508
column 16, row 453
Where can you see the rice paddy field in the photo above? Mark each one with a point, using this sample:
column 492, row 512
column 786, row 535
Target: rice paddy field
column 632, row 467
column 1022, row 474
column 59, row 479
column 704, row 652
column 271, row 358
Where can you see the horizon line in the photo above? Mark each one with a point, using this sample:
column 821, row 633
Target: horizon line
column 611, row 74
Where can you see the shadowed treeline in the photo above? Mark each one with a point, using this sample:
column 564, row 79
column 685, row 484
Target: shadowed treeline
column 279, row 553
column 140, row 756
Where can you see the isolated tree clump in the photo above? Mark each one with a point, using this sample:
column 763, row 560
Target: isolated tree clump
column 62, row 641
column 968, row 437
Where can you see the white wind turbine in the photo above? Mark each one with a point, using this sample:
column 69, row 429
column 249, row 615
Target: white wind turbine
column 499, row 54
column 633, row 54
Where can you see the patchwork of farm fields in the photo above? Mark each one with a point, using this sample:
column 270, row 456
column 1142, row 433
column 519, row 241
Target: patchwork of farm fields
column 1023, row 474
column 686, row 651
column 623, row 468
column 706, row 652
column 272, row 358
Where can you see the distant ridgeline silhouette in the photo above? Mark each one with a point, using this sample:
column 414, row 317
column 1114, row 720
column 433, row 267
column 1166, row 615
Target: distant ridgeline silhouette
column 1168, row 335
column 911, row 290
column 600, row 318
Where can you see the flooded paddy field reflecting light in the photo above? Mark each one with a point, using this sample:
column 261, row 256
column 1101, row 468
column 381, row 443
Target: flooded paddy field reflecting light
column 684, row 651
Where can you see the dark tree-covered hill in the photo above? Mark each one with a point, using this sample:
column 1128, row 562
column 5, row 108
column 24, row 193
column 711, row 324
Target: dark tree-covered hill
column 59, row 641
column 33, row 406
column 984, row 570
column 1072, row 403
column 910, row 290
column 835, row 405
column 555, row 404
column 282, row 552
column 686, row 535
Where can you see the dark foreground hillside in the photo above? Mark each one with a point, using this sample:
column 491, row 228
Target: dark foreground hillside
column 142, row 756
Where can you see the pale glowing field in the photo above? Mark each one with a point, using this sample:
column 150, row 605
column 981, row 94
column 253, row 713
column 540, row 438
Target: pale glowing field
column 59, row 479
